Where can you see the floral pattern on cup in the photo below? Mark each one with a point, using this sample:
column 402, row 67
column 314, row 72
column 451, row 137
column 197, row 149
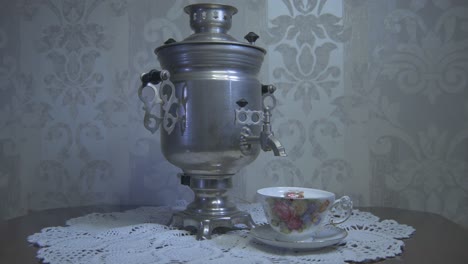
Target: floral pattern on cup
column 294, row 194
column 295, row 214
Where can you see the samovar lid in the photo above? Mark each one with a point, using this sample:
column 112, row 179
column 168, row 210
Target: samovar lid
column 210, row 23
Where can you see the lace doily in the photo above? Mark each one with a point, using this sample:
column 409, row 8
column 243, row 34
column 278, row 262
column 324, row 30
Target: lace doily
column 142, row 236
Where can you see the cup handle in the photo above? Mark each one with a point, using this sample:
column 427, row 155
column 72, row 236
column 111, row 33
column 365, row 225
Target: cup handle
column 341, row 210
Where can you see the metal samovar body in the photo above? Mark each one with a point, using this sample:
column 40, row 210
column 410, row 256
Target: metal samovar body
column 214, row 114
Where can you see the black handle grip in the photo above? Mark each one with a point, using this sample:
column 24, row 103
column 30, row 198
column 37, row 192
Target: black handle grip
column 185, row 179
column 153, row 77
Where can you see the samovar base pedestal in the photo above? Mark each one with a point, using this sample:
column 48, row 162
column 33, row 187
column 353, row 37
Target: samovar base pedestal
column 211, row 207
column 205, row 224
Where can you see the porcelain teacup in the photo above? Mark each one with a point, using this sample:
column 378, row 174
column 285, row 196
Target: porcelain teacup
column 296, row 213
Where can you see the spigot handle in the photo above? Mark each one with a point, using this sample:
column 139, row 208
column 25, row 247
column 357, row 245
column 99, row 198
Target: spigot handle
column 268, row 89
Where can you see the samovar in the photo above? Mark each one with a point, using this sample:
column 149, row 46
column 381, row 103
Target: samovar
column 214, row 113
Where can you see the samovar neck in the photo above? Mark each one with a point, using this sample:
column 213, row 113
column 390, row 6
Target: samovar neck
column 210, row 18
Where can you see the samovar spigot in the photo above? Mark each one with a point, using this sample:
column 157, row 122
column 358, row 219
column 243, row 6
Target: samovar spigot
column 266, row 139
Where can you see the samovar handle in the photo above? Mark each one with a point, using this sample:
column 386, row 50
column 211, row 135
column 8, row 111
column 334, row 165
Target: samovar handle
column 151, row 79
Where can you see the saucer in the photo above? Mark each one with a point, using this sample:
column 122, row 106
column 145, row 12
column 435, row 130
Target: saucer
column 329, row 235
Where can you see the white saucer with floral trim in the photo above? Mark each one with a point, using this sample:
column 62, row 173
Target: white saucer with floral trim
column 327, row 236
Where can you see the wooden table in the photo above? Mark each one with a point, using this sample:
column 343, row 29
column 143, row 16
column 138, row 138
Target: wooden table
column 437, row 240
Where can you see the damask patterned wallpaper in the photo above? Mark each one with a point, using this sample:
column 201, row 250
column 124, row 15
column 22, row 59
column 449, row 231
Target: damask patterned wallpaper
column 372, row 101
